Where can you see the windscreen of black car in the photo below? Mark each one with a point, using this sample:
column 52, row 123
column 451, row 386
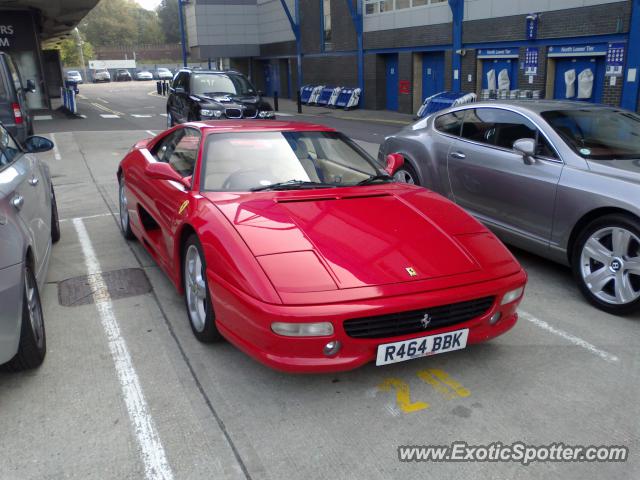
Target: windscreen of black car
column 242, row 161
column 598, row 133
column 219, row 83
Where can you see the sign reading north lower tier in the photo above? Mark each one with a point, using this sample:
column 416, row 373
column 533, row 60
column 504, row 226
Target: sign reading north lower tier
column 498, row 53
column 578, row 50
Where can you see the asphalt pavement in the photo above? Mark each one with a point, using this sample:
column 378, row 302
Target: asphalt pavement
column 566, row 372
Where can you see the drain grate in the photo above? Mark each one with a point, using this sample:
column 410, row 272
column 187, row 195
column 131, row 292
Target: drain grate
column 127, row 282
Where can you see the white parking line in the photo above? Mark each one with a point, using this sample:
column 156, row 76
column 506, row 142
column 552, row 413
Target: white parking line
column 152, row 451
column 56, row 152
column 138, row 115
column 164, row 115
column 150, row 133
column 108, row 115
column 568, row 336
column 86, row 218
column 42, row 117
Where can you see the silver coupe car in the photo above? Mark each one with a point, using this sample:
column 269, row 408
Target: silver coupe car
column 558, row 178
column 28, row 227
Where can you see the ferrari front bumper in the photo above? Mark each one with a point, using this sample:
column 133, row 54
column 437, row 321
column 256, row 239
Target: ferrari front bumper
column 246, row 323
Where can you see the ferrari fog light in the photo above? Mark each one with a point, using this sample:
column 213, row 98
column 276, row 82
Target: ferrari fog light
column 494, row 318
column 331, row 348
column 319, row 329
column 512, row 295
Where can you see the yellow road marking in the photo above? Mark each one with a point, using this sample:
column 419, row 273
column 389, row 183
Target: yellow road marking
column 403, row 395
column 440, row 380
column 105, row 109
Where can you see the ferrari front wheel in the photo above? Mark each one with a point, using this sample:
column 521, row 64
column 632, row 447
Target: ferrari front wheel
column 196, row 293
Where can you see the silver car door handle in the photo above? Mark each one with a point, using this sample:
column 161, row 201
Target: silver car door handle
column 34, row 181
column 17, row 202
column 458, row 155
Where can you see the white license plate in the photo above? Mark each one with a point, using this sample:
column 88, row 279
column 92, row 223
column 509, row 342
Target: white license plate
column 421, row 347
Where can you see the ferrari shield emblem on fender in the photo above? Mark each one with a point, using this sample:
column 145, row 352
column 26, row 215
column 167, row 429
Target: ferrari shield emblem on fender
column 411, row 271
column 184, row 205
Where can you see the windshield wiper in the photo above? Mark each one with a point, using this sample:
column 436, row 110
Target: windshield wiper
column 293, row 185
column 376, row 178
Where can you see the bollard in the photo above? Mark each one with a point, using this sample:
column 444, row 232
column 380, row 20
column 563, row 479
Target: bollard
column 164, row 88
column 159, row 87
column 275, row 101
column 299, row 102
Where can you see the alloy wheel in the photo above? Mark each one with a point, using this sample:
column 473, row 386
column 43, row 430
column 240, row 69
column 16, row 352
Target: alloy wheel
column 195, row 288
column 610, row 265
column 35, row 310
column 124, row 209
column 404, row 176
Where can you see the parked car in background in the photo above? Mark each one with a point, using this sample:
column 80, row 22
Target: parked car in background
column 144, row 75
column 28, row 227
column 73, row 76
column 101, row 75
column 164, row 74
column 123, row 75
column 211, row 95
column 14, row 113
column 558, row 178
column 312, row 259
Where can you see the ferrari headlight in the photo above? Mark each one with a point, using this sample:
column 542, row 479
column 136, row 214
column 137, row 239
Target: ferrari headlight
column 267, row 114
column 320, row 329
column 512, row 295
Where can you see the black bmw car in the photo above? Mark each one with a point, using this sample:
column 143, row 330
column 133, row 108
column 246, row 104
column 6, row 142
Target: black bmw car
column 209, row 95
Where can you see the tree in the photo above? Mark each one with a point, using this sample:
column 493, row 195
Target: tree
column 121, row 22
column 168, row 15
column 70, row 53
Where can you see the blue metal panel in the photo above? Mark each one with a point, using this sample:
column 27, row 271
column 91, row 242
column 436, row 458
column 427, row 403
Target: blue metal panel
column 183, row 37
column 432, row 74
column 596, row 64
column 391, row 67
column 357, row 18
column 630, row 90
column 498, row 64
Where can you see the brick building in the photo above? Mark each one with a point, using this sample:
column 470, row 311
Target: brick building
column 400, row 51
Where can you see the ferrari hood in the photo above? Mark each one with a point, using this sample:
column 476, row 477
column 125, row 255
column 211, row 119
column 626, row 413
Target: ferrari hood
column 328, row 242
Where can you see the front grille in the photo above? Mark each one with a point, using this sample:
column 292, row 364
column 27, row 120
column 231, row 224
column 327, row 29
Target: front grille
column 250, row 112
column 233, row 113
column 405, row 323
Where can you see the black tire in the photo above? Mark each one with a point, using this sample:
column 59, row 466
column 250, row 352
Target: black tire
column 55, row 221
column 209, row 332
column 407, row 171
column 33, row 346
column 612, row 265
column 125, row 222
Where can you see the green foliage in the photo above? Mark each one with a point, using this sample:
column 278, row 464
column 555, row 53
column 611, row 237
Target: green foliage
column 169, row 20
column 115, row 23
column 70, row 52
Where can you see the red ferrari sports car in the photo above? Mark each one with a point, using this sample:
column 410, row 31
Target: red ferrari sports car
column 291, row 242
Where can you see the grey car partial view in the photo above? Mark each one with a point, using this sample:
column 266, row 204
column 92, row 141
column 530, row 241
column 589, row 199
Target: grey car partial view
column 560, row 179
column 28, row 227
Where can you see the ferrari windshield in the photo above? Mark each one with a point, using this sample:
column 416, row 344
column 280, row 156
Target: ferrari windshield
column 245, row 161
column 597, row 133
column 220, row 84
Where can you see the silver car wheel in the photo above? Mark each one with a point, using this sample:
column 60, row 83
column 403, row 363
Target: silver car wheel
column 195, row 288
column 124, row 209
column 404, row 176
column 35, row 310
column 609, row 260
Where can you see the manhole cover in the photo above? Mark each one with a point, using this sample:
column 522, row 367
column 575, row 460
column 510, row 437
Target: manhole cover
column 127, row 282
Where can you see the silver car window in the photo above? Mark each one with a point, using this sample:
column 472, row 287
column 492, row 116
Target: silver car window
column 501, row 128
column 450, row 123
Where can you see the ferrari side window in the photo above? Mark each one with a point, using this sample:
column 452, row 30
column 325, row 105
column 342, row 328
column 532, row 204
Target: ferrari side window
column 163, row 151
column 185, row 152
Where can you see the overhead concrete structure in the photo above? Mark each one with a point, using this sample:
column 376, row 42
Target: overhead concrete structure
column 26, row 27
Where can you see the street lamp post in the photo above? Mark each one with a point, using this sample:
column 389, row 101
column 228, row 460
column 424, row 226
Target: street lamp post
column 183, row 39
column 80, row 42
